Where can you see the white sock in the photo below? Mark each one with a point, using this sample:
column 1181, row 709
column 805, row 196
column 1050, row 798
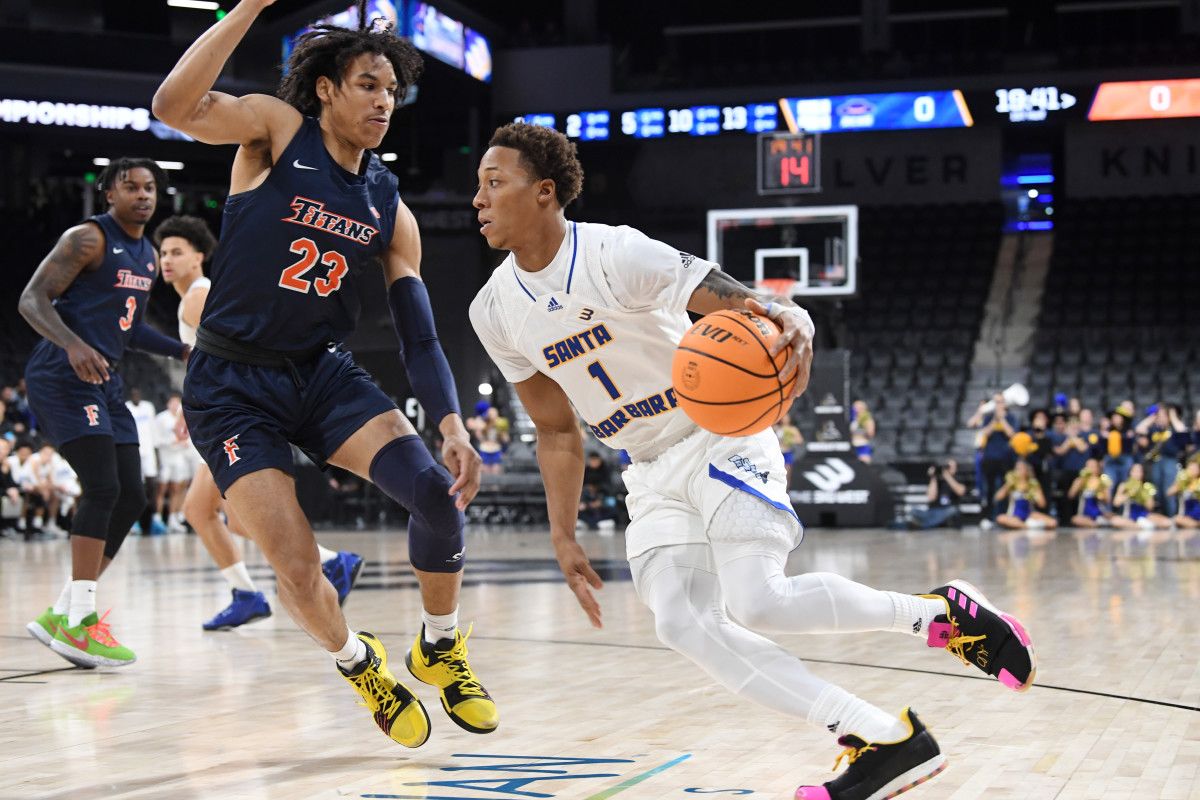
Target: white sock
column 83, row 602
column 439, row 626
column 325, row 553
column 913, row 613
column 239, row 577
column 840, row 712
column 63, row 604
column 353, row 653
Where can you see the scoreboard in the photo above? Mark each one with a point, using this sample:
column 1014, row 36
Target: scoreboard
column 1146, row 100
column 1039, row 103
column 878, row 112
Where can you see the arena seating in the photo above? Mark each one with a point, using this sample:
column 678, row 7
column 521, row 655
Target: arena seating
column 915, row 322
column 1121, row 290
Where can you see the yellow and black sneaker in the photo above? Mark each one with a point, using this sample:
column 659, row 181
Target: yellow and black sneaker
column 881, row 770
column 981, row 635
column 398, row 712
column 445, row 666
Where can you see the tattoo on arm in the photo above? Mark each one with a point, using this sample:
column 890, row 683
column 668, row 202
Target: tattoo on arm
column 718, row 290
column 721, row 285
column 75, row 251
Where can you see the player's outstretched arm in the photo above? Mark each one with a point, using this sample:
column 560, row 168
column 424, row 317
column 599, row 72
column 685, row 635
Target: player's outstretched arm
column 422, row 356
column 560, row 457
column 186, row 100
column 77, row 249
column 719, row 291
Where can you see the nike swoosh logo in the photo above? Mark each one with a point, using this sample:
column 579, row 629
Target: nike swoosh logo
column 79, row 643
column 118, row 250
column 298, row 165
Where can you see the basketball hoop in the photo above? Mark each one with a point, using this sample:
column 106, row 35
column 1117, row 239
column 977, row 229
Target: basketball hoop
column 778, row 287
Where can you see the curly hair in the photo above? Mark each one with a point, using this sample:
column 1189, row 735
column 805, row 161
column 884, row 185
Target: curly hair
column 546, row 153
column 193, row 229
column 327, row 51
column 116, row 169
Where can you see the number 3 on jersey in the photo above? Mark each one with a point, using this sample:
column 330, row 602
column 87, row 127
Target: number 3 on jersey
column 309, row 254
column 126, row 322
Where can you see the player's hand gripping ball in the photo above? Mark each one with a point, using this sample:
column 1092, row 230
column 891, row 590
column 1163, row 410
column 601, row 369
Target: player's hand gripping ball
column 724, row 376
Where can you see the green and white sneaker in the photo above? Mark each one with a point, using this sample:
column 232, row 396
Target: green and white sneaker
column 46, row 625
column 91, row 644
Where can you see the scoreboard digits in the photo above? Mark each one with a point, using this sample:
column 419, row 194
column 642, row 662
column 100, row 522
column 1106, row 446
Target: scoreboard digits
column 1146, row 100
column 1043, row 102
column 788, row 163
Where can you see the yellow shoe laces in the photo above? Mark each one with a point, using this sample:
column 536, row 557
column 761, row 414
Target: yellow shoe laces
column 455, row 660
column 853, row 754
column 957, row 644
column 375, row 693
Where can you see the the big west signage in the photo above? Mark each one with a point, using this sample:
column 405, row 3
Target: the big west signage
column 1143, row 157
column 839, row 490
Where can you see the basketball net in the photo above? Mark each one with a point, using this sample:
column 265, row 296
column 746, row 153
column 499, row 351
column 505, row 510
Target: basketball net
column 779, row 287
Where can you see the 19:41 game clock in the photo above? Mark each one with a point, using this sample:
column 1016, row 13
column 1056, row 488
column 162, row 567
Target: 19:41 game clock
column 789, row 163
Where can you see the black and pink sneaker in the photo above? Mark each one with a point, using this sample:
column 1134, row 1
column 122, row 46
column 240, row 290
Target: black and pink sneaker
column 979, row 634
column 879, row 770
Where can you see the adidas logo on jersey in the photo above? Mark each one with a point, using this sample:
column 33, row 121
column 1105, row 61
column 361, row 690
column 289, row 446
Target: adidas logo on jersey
column 554, row 305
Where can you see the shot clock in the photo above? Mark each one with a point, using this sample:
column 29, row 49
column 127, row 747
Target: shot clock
column 789, row 163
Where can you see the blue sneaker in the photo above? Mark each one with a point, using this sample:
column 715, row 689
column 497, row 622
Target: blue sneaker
column 136, row 530
column 342, row 571
column 156, row 527
column 245, row 607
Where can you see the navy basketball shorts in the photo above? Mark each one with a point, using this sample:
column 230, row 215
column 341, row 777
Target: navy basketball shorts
column 67, row 408
column 243, row 418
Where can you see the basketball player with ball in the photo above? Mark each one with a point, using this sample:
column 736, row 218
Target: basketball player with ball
column 587, row 318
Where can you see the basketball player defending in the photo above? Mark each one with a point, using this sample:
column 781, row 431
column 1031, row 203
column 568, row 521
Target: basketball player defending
column 87, row 299
column 587, row 316
column 184, row 243
column 310, row 207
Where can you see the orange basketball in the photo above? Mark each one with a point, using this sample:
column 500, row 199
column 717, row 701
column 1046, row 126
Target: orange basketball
column 724, row 377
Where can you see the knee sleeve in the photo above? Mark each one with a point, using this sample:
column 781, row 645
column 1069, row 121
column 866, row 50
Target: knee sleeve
column 94, row 460
column 130, row 502
column 407, row 473
column 757, row 525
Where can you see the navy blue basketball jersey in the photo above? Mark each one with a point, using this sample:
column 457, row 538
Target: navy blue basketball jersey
column 283, row 276
column 102, row 307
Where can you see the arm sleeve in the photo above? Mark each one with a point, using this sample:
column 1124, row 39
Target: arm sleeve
column 485, row 320
column 644, row 273
column 147, row 339
column 420, row 351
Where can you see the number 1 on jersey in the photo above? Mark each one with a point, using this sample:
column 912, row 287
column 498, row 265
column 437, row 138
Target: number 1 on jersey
column 597, row 372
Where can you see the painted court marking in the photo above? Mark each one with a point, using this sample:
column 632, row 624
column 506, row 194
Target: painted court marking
column 623, row 785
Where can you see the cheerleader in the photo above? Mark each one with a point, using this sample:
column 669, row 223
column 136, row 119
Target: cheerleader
column 1187, row 488
column 1094, row 490
column 1023, row 492
column 862, row 431
column 1136, row 494
column 789, row 439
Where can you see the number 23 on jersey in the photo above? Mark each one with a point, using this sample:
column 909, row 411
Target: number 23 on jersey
column 293, row 277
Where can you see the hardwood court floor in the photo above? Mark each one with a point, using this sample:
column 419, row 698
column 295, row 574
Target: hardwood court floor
column 589, row 715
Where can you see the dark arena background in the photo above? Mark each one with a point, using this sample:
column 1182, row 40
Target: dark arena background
column 977, row 202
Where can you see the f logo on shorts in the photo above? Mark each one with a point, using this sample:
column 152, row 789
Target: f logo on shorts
column 231, row 449
column 93, row 415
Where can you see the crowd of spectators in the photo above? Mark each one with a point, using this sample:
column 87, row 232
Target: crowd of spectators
column 39, row 489
column 1067, row 465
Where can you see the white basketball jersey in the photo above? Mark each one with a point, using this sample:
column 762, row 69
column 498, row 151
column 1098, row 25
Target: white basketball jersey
column 602, row 320
column 187, row 334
